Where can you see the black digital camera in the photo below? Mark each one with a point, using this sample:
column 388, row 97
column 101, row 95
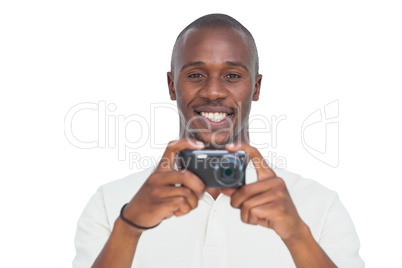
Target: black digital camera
column 216, row 168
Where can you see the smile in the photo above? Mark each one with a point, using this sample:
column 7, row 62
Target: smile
column 215, row 117
column 215, row 120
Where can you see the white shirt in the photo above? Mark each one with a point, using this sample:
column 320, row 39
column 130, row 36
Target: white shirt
column 213, row 235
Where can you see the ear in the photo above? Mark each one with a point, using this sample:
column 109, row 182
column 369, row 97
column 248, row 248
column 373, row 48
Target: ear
column 257, row 86
column 172, row 91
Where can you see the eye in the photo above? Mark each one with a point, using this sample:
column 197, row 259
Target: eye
column 197, row 75
column 233, row 76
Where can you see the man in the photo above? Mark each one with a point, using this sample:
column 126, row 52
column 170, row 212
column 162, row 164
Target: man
column 277, row 219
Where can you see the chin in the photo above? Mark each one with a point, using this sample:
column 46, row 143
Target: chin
column 213, row 143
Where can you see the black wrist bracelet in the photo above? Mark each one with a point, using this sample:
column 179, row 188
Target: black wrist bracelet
column 131, row 223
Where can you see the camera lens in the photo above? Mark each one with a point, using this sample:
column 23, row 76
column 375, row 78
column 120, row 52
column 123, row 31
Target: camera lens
column 229, row 171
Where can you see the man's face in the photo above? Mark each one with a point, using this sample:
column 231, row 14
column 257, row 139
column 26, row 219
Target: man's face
column 214, row 82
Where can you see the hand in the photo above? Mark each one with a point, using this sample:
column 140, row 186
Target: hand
column 166, row 192
column 266, row 202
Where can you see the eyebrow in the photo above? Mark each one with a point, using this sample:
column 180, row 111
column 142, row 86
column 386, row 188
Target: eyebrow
column 237, row 63
column 198, row 63
column 193, row 63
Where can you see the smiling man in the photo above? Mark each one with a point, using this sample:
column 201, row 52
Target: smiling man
column 214, row 77
column 163, row 217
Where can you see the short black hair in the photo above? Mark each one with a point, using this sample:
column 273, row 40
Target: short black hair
column 218, row 20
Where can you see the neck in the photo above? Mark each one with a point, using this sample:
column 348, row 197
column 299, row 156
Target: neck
column 214, row 192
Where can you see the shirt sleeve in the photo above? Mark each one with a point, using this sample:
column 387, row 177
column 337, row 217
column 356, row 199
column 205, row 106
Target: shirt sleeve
column 93, row 230
column 339, row 239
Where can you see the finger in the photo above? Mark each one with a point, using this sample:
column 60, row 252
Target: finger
column 269, row 212
column 189, row 195
column 255, row 201
column 261, row 166
column 247, row 191
column 177, row 205
column 254, row 220
column 183, row 178
column 173, row 148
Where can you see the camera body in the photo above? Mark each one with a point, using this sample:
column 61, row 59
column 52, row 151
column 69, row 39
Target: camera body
column 216, row 168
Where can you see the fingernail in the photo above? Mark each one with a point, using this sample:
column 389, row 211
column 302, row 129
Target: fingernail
column 230, row 145
column 199, row 143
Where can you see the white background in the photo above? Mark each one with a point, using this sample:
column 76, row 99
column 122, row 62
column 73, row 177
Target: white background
column 57, row 54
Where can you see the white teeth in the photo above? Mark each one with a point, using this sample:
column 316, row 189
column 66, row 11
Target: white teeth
column 215, row 117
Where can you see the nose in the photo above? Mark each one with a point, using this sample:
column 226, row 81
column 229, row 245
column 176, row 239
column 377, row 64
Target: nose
column 213, row 89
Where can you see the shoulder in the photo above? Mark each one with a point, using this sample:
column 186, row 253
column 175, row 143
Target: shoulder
column 128, row 183
column 116, row 193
